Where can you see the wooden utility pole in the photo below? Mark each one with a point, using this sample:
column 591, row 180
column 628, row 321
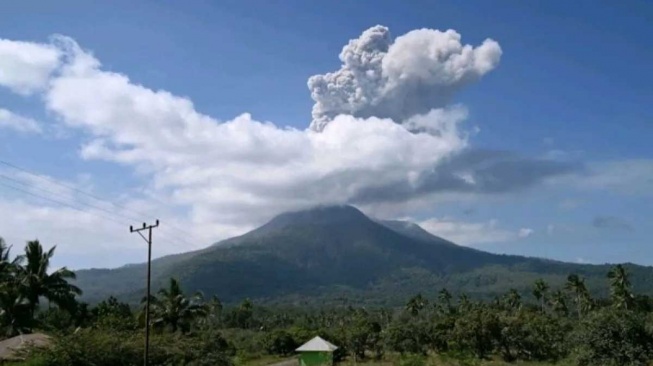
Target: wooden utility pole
column 149, row 275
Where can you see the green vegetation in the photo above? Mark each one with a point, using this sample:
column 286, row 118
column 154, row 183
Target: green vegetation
column 563, row 325
column 25, row 281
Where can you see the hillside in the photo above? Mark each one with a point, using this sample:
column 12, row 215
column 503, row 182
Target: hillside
column 335, row 254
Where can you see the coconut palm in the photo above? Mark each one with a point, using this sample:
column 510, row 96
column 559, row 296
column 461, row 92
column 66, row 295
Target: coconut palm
column 416, row 304
column 558, row 303
column 576, row 285
column 444, row 301
column 171, row 309
column 622, row 297
column 37, row 283
column 7, row 266
column 214, row 309
column 540, row 289
column 464, row 303
column 512, row 300
column 15, row 310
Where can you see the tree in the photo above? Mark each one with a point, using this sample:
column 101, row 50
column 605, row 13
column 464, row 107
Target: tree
column 416, row 304
column 36, row 282
column 576, row 286
column 243, row 315
column 613, row 337
column 476, row 330
column 444, row 301
column 541, row 337
column 280, row 342
column 408, row 337
column 464, row 304
column 213, row 318
column 540, row 289
column 512, row 300
column 559, row 303
column 7, row 267
column 113, row 314
column 620, row 292
column 15, row 311
column 171, row 309
column 362, row 333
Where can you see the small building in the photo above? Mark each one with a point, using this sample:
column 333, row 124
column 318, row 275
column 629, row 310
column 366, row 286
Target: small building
column 315, row 352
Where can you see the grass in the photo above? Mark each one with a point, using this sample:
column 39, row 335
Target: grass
column 263, row 361
column 394, row 360
column 439, row 362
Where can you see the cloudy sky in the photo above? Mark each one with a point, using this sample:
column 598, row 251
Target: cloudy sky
column 506, row 126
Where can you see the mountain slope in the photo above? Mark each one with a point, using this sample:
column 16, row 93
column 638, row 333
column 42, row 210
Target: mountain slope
column 328, row 253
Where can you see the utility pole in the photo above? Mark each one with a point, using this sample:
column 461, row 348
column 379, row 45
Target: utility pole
column 149, row 273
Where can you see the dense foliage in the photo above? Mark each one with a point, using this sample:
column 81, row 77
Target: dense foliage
column 25, row 281
column 549, row 325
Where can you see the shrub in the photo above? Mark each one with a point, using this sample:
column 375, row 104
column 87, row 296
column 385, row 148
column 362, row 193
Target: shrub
column 280, row 342
column 111, row 348
column 611, row 337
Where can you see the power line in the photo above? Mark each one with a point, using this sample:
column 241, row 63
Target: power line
column 93, row 196
column 72, row 206
column 59, row 203
column 60, row 195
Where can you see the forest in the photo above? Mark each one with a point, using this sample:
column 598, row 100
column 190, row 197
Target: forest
column 566, row 325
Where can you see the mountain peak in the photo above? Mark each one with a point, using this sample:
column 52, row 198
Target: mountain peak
column 324, row 214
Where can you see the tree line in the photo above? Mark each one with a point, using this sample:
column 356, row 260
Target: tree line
column 547, row 325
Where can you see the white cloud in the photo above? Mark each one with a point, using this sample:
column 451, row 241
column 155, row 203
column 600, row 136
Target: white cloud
column 472, row 233
column 525, row 232
column 19, row 123
column 235, row 174
column 397, row 79
column 26, row 67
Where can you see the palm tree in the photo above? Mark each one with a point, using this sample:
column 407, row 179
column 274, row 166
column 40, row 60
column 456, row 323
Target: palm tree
column 559, row 302
column 576, row 285
column 36, row 282
column 7, row 267
column 512, row 299
column 416, row 304
column 15, row 311
column 173, row 310
column 540, row 289
column 444, row 300
column 214, row 312
column 622, row 296
column 464, row 303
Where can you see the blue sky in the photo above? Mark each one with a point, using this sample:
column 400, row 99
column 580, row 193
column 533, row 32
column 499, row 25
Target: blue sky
column 568, row 102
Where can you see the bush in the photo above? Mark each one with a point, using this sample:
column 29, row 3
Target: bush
column 528, row 335
column 110, row 348
column 408, row 338
column 613, row 338
column 476, row 331
column 280, row 342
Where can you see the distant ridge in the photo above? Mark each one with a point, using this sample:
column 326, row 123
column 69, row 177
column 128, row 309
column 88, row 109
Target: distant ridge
column 326, row 253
